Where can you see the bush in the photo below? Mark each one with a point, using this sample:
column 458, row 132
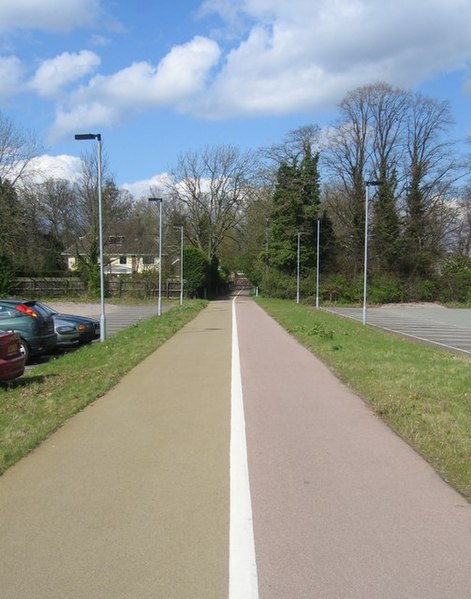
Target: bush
column 7, row 275
column 338, row 288
column 385, row 290
column 421, row 290
column 196, row 272
column 277, row 284
column 455, row 281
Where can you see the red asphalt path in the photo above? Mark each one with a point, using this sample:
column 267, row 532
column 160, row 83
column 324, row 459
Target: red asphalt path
column 342, row 507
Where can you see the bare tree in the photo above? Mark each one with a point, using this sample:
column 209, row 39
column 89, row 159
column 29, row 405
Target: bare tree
column 397, row 137
column 431, row 171
column 116, row 203
column 347, row 157
column 17, row 149
column 56, row 210
column 212, row 190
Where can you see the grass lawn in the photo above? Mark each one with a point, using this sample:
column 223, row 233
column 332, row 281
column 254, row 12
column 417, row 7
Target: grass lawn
column 35, row 405
column 424, row 394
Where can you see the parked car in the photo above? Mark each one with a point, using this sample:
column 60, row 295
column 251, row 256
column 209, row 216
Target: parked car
column 32, row 324
column 12, row 361
column 69, row 326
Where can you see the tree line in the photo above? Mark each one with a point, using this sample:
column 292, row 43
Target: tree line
column 247, row 211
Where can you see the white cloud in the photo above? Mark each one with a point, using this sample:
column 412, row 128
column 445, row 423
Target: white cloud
column 47, row 15
column 11, row 75
column 146, row 188
column 45, row 167
column 302, row 55
column 182, row 73
column 66, row 68
column 83, row 117
column 305, row 54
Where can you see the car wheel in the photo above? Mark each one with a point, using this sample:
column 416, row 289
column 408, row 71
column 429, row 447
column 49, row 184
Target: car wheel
column 24, row 349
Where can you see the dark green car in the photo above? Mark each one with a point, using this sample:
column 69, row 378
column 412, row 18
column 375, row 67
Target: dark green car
column 33, row 325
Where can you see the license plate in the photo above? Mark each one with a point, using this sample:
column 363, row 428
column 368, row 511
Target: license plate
column 12, row 349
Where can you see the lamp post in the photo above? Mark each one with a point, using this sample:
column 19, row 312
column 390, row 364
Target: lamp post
column 267, row 221
column 181, row 262
column 159, row 300
column 97, row 137
column 297, row 267
column 368, row 184
column 317, row 261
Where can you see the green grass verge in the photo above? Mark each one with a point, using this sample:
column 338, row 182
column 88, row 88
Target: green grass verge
column 37, row 404
column 423, row 393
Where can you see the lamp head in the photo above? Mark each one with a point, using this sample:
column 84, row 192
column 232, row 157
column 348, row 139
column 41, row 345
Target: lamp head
column 82, row 136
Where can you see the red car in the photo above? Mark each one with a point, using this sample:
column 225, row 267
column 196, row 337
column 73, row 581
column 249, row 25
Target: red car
column 12, row 361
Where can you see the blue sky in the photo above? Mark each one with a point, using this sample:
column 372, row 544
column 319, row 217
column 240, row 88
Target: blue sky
column 158, row 78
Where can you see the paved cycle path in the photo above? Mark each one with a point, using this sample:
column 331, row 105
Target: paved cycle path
column 131, row 498
column 342, row 507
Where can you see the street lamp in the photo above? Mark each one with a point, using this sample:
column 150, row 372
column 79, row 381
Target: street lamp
column 97, row 137
column 317, row 261
column 181, row 264
column 267, row 222
column 368, row 184
column 297, row 267
column 159, row 300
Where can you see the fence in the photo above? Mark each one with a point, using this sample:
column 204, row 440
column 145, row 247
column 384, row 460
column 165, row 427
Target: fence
column 37, row 287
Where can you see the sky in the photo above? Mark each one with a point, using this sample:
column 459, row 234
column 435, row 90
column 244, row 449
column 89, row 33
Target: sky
column 157, row 78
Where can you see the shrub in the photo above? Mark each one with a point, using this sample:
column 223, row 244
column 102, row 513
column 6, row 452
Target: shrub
column 385, row 290
column 7, row 275
column 196, row 271
column 277, row 284
column 338, row 288
column 425, row 290
column 455, row 281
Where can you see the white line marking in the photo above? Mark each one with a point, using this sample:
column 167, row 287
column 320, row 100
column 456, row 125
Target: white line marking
column 384, row 328
column 243, row 580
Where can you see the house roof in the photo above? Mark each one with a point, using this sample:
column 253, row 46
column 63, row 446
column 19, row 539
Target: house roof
column 114, row 245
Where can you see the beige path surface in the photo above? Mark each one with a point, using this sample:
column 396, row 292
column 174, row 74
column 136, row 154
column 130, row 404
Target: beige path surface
column 129, row 499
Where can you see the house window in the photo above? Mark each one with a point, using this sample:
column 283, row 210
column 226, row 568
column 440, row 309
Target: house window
column 116, row 239
column 122, row 260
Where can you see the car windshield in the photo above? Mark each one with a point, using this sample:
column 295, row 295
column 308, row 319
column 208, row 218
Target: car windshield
column 8, row 311
column 45, row 309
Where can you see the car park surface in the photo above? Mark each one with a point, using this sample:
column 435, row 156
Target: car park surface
column 12, row 361
column 118, row 316
column 433, row 324
column 34, row 327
